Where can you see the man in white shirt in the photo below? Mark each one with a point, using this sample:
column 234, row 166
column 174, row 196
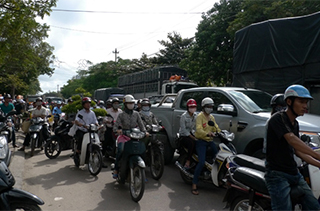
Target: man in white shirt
column 84, row 118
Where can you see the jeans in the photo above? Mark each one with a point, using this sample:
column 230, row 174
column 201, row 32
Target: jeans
column 201, row 148
column 279, row 186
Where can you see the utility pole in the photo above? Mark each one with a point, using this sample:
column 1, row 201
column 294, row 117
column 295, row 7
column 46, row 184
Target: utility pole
column 115, row 55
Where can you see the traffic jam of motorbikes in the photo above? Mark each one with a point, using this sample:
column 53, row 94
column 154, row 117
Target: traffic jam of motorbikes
column 134, row 139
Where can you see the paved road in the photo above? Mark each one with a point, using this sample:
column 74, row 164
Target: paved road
column 64, row 187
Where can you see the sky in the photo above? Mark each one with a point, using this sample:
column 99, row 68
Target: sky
column 92, row 30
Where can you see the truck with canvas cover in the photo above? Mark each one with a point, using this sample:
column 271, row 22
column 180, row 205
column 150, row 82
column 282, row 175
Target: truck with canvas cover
column 274, row 54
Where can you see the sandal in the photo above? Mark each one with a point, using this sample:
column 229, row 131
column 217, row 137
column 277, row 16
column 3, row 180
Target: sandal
column 194, row 191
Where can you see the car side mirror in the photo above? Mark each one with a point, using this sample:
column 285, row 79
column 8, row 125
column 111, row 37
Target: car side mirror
column 227, row 109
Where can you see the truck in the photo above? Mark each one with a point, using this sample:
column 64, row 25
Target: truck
column 105, row 93
column 156, row 81
column 274, row 54
column 243, row 111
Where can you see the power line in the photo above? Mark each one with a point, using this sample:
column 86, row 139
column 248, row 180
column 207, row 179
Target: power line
column 137, row 13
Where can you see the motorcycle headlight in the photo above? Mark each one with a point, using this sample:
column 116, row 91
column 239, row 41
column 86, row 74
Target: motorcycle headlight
column 138, row 135
column 3, row 148
column 34, row 128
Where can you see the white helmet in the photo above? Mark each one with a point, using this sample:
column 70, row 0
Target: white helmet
column 207, row 101
column 128, row 99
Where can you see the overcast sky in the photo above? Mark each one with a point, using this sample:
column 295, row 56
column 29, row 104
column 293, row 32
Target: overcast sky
column 132, row 27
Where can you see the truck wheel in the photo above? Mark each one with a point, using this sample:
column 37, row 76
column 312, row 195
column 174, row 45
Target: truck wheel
column 168, row 151
column 259, row 154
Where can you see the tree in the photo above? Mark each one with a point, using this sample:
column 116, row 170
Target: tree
column 210, row 56
column 23, row 54
column 174, row 51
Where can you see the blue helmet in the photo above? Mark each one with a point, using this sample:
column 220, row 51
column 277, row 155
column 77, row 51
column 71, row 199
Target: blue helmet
column 297, row 91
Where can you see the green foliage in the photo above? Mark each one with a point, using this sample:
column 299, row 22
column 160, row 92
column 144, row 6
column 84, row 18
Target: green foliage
column 100, row 112
column 23, row 53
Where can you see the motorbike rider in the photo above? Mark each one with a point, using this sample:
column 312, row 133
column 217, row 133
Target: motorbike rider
column 113, row 111
column 109, row 103
column 148, row 118
column 101, row 104
column 57, row 110
column 187, row 129
column 126, row 120
column 138, row 105
column 39, row 111
column 88, row 117
column 7, row 106
column 204, row 135
column 282, row 143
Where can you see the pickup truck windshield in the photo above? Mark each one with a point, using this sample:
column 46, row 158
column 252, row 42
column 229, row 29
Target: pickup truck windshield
column 178, row 87
column 253, row 101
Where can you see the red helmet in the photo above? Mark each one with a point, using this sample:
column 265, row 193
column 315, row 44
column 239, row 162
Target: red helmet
column 191, row 103
column 85, row 100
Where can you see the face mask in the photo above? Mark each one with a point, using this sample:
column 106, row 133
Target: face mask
column 116, row 106
column 130, row 106
column 145, row 108
column 192, row 110
column 38, row 103
column 208, row 110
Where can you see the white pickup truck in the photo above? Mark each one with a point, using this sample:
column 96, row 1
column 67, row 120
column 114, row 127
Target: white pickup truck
column 239, row 110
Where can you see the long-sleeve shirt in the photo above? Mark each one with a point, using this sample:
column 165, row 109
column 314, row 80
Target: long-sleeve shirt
column 127, row 120
column 203, row 128
column 187, row 124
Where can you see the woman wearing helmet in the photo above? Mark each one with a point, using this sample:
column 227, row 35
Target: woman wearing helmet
column 282, row 143
column 187, row 129
column 204, row 135
column 126, row 120
column 88, row 117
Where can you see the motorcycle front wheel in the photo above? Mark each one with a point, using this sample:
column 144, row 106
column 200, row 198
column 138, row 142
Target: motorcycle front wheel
column 24, row 206
column 52, row 149
column 242, row 203
column 137, row 183
column 157, row 166
column 95, row 162
column 32, row 145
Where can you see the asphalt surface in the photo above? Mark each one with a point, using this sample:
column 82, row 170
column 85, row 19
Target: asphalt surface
column 17, row 164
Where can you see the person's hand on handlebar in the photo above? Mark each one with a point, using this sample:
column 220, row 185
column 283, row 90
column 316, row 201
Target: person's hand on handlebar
column 119, row 132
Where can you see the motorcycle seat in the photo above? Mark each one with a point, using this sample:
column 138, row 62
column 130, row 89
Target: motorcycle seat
column 251, row 178
column 250, row 162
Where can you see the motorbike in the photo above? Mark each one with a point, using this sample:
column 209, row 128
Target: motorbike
column 36, row 136
column 111, row 146
column 90, row 150
column 214, row 169
column 12, row 198
column 154, row 152
column 131, row 163
column 59, row 141
column 247, row 188
column 5, row 136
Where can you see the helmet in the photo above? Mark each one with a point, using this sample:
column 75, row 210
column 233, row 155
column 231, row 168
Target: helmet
column 297, row 91
column 85, row 100
column 145, row 101
column 39, row 99
column 191, row 103
column 7, row 96
column 59, row 102
column 128, row 99
column 70, row 100
column 101, row 102
column 278, row 99
column 115, row 100
column 207, row 101
column 109, row 101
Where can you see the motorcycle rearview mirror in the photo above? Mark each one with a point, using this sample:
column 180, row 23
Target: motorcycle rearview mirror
column 210, row 123
column 10, row 113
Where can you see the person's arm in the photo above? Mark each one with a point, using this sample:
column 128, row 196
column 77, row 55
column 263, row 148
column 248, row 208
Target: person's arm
column 216, row 126
column 309, row 159
column 140, row 123
column 200, row 132
column 300, row 146
column 183, row 130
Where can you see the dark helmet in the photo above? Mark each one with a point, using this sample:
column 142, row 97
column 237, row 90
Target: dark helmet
column 115, row 100
column 109, row 101
column 39, row 99
column 145, row 101
column 278, row 99
column 86, row 100
column 70, row 100
column 7, row 96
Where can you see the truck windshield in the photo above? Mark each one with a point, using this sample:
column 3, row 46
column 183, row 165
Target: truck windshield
column 253, row 101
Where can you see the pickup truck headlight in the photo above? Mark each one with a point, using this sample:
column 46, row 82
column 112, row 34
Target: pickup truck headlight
column 3, row 148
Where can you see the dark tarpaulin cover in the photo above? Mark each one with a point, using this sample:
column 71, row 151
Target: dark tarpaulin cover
column 274, row 54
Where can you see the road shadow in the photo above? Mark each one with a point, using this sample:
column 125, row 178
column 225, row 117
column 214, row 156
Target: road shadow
column 68, row 175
